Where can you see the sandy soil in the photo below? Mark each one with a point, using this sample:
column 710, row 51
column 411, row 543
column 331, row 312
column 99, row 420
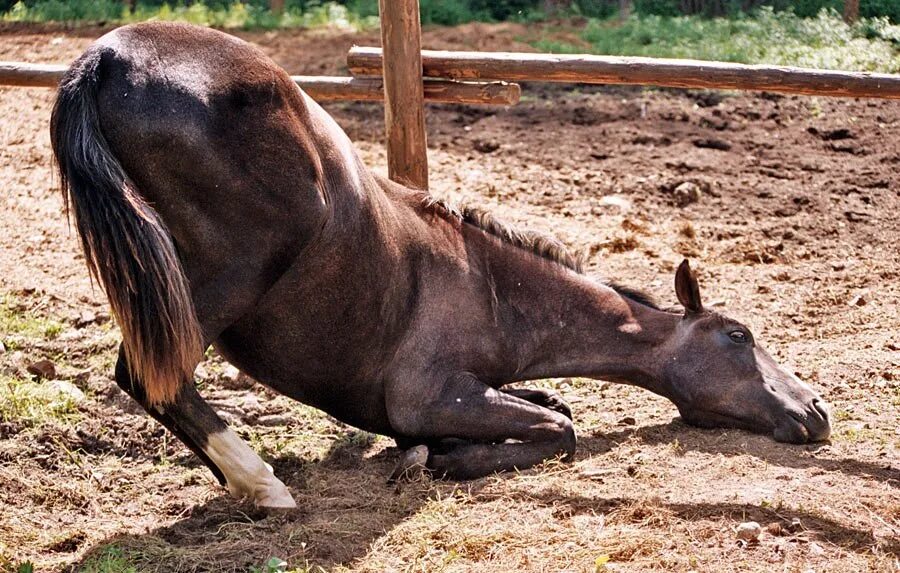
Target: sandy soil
column 794, row 230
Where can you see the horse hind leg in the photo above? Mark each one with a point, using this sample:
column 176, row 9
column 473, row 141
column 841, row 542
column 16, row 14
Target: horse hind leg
column 483, row 419
column 229, row 458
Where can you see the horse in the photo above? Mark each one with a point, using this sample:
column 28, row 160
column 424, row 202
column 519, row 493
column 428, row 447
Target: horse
column 217, row 204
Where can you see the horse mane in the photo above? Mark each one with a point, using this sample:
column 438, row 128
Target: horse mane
column 541, row 245
column 636, row 295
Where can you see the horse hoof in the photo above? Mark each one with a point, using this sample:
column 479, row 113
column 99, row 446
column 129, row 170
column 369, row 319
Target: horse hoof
column 556, row 403
column 276, row 499
column 411, row 465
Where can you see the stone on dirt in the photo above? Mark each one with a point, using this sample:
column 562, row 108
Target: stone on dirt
column 273, row 420
column 748, row 531
column 42, row 369
column 686, row 193
column 67, row 389
column 85, row 318
column 234, row 379
column 486, row 145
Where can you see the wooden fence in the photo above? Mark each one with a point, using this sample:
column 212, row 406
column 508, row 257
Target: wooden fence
column 405, row 77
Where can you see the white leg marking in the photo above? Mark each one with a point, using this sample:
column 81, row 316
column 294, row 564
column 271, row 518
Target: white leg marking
column 246, row 474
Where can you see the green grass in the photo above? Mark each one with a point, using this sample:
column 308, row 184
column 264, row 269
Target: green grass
column 33, row 403
column 110, row 560
column 220, row 15
column 768, row 37
column 17, row 323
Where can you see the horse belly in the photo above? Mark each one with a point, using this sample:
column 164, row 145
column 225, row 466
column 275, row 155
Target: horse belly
column 318, row 341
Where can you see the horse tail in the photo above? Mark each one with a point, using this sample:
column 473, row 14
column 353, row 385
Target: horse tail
column 127, row 247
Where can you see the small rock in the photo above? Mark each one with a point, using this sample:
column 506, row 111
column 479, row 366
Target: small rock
column 858, row 300
column 788, row 210
column 2, row 347
column 775, row 529
column 796, row 526
column 815, row 549
column 234, row 379
column 67, row 389
column 686, row 193
column 616, row 201
column 486, row 145
column 231, row 373
column 627, row 421
column 712, row 143
column 201, row 372
column 85, row 318
column 273, row 420
column 748, row 531
column 42, row 369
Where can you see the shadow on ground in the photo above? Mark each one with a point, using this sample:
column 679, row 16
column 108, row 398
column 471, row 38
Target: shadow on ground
column 739, row 443
column 344, row 503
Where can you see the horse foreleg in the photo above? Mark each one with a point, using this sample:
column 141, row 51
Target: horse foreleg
column 466, row 408
column 196, row 424
column 544, row 398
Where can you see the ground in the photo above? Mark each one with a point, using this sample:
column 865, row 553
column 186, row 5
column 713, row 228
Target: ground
column 787, row 207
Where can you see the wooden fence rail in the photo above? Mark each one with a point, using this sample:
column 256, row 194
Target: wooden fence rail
column 320, row 88
column 510, row 66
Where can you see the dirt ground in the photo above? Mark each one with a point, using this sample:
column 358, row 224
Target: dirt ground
column 790, row 213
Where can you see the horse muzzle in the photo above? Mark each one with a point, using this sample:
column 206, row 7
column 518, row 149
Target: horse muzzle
column 811, row 424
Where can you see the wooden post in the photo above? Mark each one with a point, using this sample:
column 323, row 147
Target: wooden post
column 851, row 11
column 276, row 6
column 404, row 111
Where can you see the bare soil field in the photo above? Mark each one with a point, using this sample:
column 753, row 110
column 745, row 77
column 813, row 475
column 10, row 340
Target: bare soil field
column 789, row 207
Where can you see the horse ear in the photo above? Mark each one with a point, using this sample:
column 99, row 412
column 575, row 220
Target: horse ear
column 687, row 288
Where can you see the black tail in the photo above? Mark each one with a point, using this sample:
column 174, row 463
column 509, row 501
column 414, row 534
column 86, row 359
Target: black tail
column 126, row 245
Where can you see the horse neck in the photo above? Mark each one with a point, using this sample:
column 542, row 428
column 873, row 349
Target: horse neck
column 558, row 323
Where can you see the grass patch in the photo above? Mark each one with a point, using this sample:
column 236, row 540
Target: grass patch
column 16, row 323
column 33, row 403
column 766, row 37
column 111, row 559
column 233, row 15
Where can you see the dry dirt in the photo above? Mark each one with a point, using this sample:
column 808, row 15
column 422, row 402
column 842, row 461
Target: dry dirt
column 794, row 230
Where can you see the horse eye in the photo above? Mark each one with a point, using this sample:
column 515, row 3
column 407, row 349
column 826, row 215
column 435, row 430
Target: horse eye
column 738, row 336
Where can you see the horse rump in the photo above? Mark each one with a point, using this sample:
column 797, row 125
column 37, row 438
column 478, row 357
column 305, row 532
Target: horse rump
column 126, row 245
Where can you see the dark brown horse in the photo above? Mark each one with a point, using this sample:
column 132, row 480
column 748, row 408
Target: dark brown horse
column 218, row 204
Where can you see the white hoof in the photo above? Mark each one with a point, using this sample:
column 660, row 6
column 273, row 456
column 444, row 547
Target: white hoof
column 247, row 476
column 264, row 491
column 276, row 497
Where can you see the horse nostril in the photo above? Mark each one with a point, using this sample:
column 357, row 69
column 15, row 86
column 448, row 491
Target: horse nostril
column 820, row 408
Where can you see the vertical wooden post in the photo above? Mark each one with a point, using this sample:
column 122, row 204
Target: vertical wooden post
column 276, row 6
column 851, row 11
column 404, row 109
